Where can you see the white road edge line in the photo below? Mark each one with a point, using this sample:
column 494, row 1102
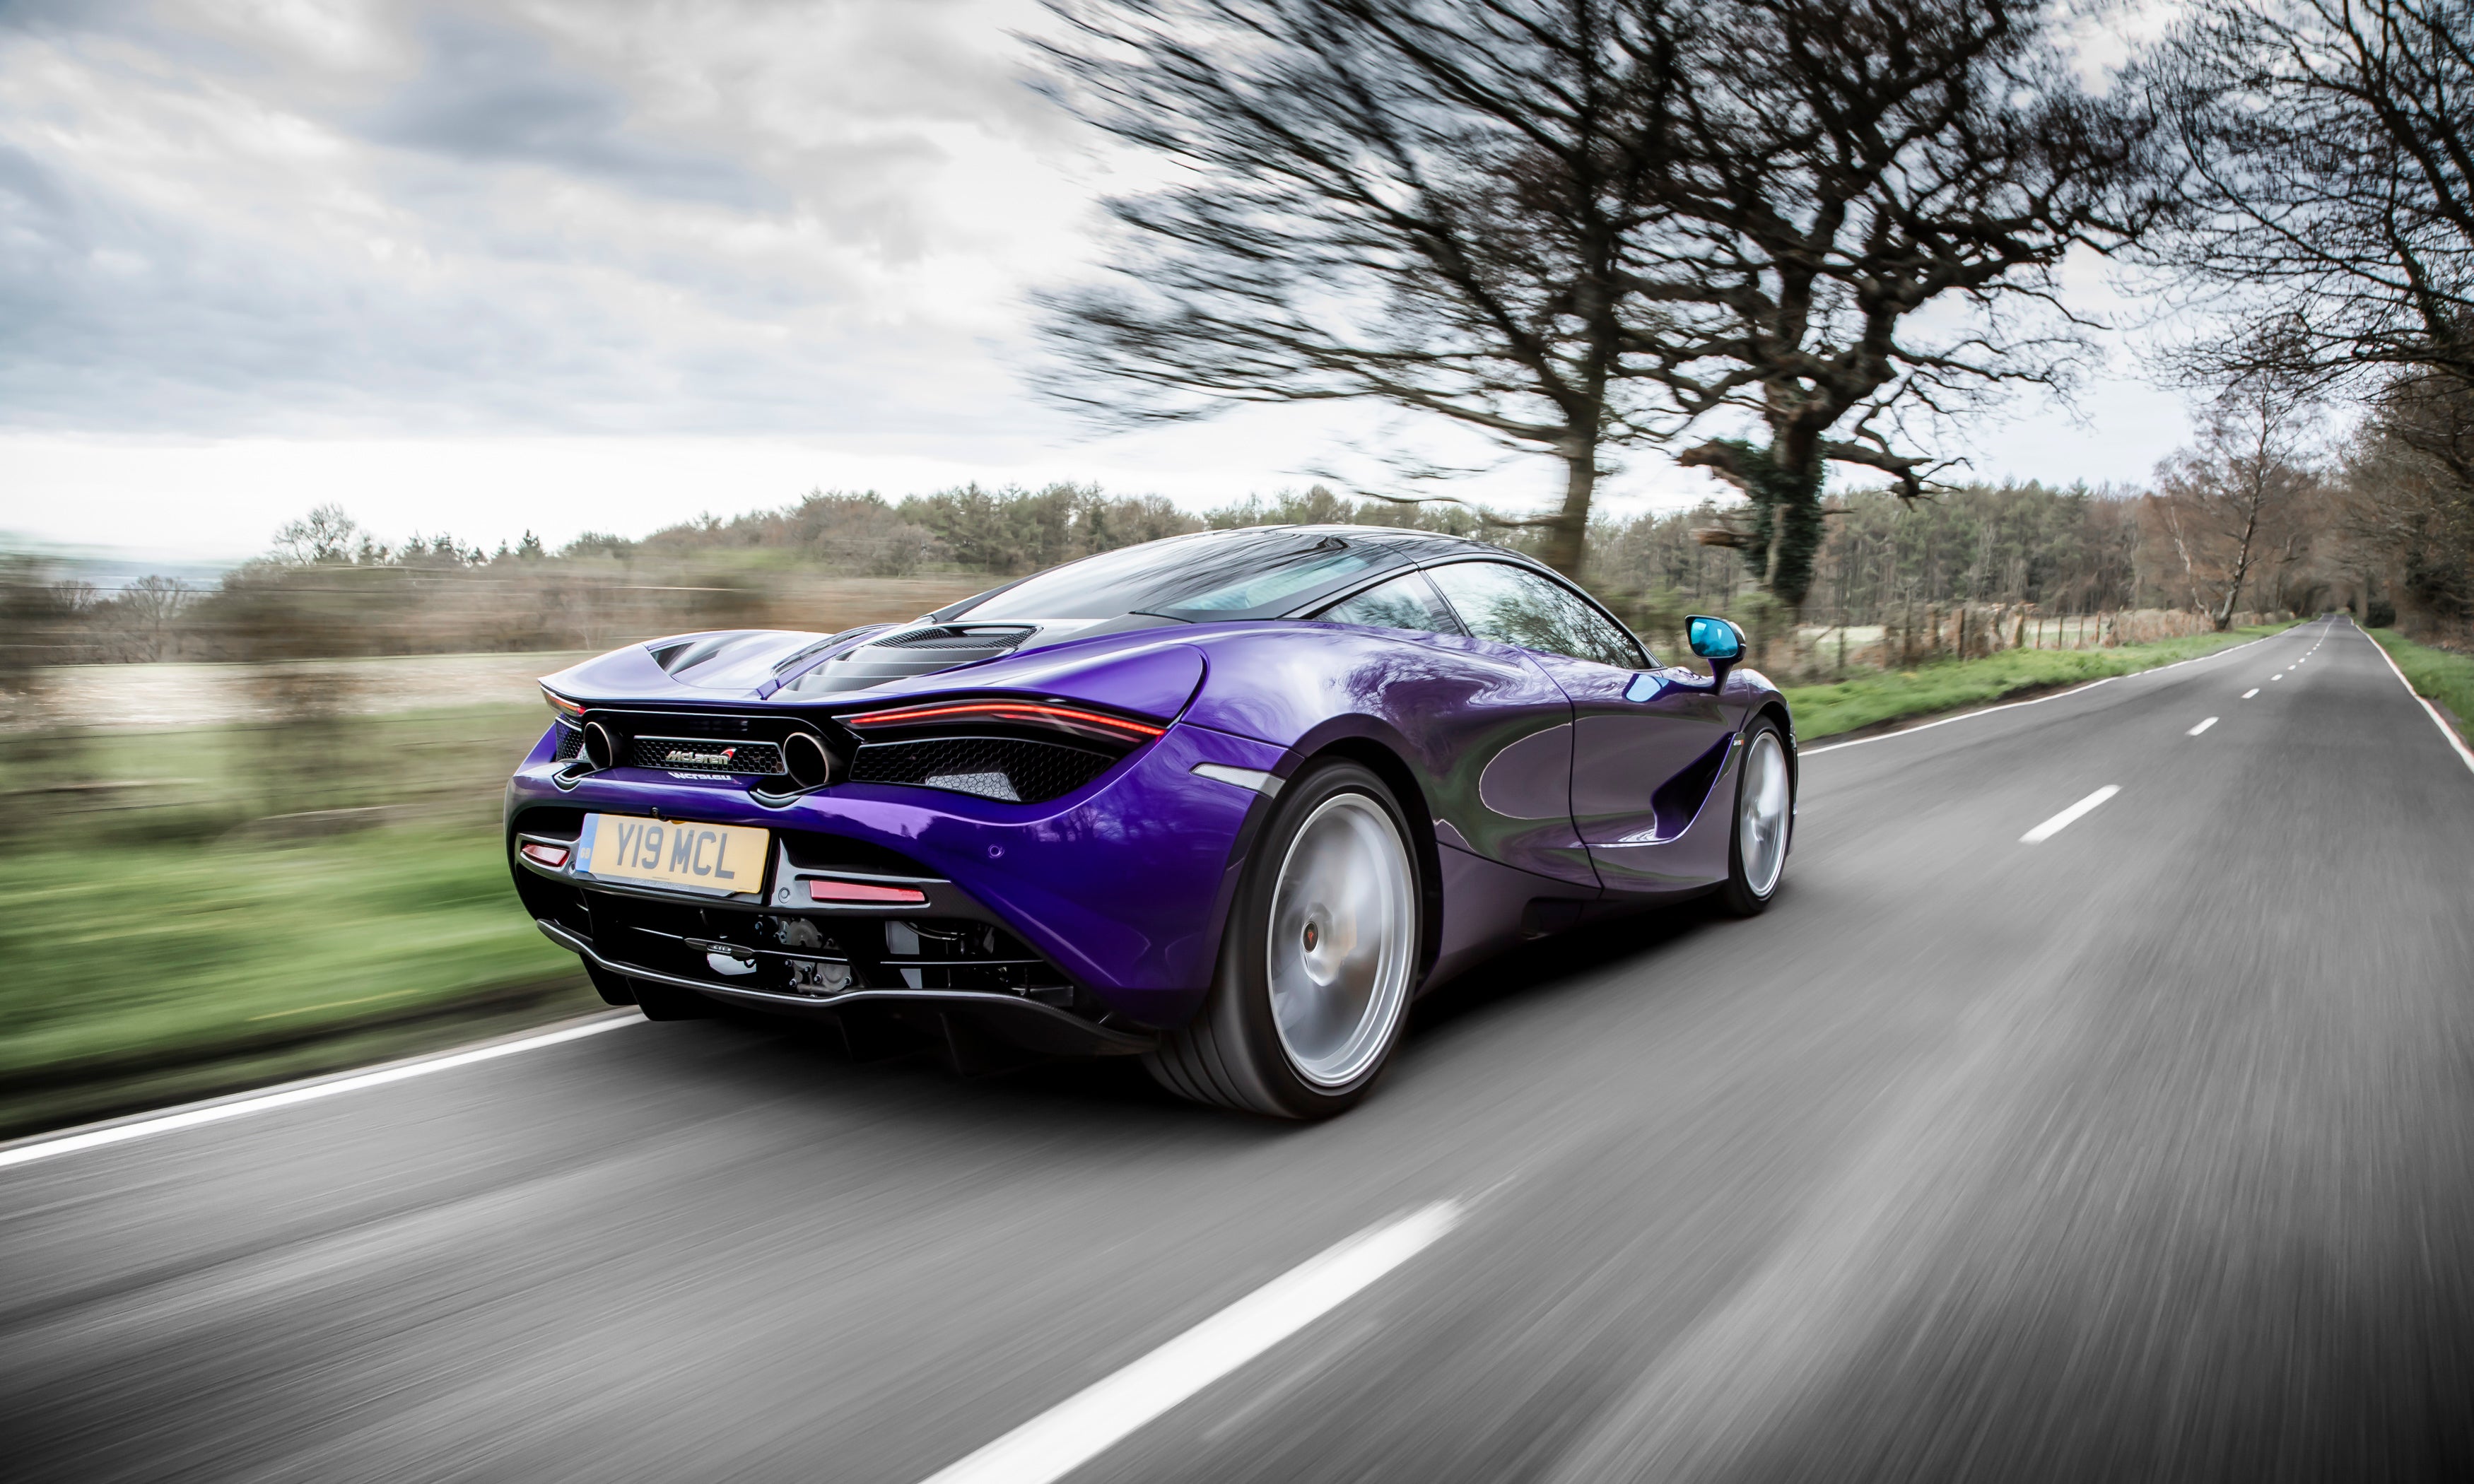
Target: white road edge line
column 1079, row 1428
column 2069, row 817
column 2202, row 727
column 2007, row 706
column 2437, row 720
column 192, row 1117
column 2247, row 694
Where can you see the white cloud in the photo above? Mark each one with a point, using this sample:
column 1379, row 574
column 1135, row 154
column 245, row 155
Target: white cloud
column 313, row 220
column 498, row 264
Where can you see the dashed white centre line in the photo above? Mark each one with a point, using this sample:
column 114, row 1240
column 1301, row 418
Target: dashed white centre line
column 1079, row 1428
column 2070, row 816
column 2202, row 727
column 2247, row 694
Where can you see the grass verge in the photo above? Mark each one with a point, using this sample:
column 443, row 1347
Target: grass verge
column 1874, row 700
column 140, row 975
column 204, row 910
column 2445, row 676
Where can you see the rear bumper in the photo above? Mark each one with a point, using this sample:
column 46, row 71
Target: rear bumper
column 1120, row 886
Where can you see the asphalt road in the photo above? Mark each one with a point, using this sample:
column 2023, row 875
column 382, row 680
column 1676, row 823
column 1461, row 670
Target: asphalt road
column 2143, row 1151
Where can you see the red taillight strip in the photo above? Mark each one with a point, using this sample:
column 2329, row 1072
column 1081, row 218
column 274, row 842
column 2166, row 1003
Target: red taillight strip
column 819, row 889
column 1025, row 710
column 560, row 703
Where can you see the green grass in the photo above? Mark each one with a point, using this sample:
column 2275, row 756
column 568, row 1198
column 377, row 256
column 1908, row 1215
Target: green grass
column 183, row 921
column 138, row 973
column 2445, row 676
column 1873, row 698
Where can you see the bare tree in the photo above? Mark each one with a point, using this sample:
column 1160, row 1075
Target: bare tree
column 2328, row 150
column 146, row 616
column 2327, row 157
column 325, row 534
column 1853, row 205
column 2230, row 501
column 1579, row 224
column 1421, row 203
column 2328, row 189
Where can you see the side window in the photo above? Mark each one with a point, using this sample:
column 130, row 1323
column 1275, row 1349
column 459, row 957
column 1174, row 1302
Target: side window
column 1402, row 603
column 1514, row 607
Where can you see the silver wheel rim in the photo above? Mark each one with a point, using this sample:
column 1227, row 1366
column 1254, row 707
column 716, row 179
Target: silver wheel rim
column 1342, row 924
column 1762, row 805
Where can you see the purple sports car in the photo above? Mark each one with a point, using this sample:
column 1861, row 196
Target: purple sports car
column 1225, row 802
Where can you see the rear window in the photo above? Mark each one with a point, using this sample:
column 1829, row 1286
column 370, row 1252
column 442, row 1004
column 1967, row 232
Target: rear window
column 1216, row 575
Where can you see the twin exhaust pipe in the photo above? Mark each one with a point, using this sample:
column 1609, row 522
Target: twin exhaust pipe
column 806, row 758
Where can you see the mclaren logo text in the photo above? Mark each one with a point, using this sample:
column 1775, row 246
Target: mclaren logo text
column 681, row 757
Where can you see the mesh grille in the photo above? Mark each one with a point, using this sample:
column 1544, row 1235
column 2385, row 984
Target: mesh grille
column 689, row 754
column 570, row 741
column 1016, row 769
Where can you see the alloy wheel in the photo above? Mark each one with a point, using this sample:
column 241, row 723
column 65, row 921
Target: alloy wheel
column 1342, row 946
column 1762, row 804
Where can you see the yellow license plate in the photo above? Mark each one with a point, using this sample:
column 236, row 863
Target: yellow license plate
column 721, row 859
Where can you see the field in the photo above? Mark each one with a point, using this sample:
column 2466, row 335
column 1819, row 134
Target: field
column 314, row 883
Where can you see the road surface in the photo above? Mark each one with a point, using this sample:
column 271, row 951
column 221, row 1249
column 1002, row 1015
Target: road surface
column 2142, row 1149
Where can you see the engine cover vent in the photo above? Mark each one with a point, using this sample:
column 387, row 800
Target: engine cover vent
column 996, row 641
column 908, row 651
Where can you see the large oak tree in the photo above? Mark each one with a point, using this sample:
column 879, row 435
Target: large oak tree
column 1431, row 206
column 1574, row 225
column 1854, row 204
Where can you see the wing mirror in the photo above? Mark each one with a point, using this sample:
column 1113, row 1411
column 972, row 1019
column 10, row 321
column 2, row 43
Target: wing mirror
column 1717, row 642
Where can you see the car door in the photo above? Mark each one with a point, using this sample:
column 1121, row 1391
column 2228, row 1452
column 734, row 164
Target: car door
column 1493, row 727
column 1647, row 743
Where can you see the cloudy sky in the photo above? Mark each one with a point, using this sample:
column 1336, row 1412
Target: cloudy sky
column 577, row 264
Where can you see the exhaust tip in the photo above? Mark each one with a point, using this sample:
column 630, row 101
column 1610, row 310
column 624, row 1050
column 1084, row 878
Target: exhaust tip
column 807, row 759
column 600, row 746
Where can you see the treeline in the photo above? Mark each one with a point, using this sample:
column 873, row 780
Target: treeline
column 330, row 589
column 1003, row 533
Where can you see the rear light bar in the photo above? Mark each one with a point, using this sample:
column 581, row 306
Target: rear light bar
column 852, row 893
column 1038, row 714
column 560, row 706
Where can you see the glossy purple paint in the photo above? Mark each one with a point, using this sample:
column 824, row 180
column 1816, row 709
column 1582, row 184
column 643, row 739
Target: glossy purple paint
column 1124, row 885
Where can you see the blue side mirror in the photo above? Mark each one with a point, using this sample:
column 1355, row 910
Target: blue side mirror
column 1717, row 642
column 1714, row 638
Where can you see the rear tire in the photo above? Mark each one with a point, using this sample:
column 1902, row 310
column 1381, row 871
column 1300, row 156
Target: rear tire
column 1317, row 961
column 1764, row 823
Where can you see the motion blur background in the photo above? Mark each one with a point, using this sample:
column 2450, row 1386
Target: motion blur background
column 363, row 361
column 366, row 359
